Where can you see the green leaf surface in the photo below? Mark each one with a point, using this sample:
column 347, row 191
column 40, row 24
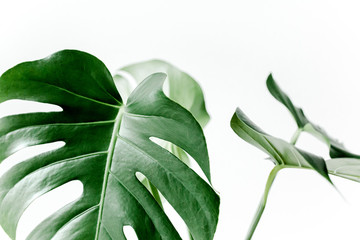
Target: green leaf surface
column 282, row 97
column 281, row 152
column 183, row 89
column 106, row 144
column 348, row 168
column 337, row 149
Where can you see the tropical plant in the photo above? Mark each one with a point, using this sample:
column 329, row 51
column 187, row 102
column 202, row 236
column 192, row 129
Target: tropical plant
column 110, row 146
column 286, row 155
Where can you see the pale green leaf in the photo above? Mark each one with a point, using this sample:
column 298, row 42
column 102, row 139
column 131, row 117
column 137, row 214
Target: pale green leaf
column 336, row 148
column 345, row 167
column 183, row 89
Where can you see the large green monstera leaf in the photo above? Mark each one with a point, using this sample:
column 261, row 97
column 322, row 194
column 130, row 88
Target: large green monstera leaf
column 107, row 143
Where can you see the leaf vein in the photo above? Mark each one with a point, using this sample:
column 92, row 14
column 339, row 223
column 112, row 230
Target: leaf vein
column 58, row 124
column 81, row 96
column 56, row 163
column 77, row 216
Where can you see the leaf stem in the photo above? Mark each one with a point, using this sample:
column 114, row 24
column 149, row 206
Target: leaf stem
column 262, row 203
column 295, row 137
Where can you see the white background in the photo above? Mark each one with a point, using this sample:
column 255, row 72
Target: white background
column 311, row 47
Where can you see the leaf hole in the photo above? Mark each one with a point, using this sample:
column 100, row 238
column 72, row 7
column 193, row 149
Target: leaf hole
column 130, row 233
column 27, row 153
column 141, row 177
column 173, row 216
column 146, row 182
column 182, row 155
column 17, row 106
column 46, row 205
column 176, row 220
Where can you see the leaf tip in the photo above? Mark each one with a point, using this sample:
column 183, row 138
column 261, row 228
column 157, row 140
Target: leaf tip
column 160, row 75
column 270, row 82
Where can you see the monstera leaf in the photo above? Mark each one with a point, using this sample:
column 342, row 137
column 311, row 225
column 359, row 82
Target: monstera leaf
column 336, row 149
column 282, row 153
column 183, row 89
column 286, row 155
column 107, row 143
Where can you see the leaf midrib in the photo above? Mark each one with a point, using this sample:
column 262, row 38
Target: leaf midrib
column 81, row 96
column 108, row 166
